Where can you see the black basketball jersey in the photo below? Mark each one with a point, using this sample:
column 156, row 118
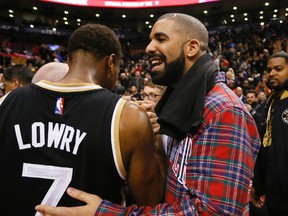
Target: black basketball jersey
column 53, row 136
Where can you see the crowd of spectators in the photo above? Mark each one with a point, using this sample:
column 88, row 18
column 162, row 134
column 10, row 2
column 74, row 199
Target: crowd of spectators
column 242, row 52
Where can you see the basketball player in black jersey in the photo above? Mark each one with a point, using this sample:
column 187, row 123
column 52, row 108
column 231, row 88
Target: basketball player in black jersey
column 75, row 132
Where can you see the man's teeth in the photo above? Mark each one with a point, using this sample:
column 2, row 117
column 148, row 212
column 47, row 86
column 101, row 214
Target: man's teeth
column 156, row 62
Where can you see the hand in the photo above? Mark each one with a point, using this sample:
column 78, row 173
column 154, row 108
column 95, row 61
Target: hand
column 249, row 107
column 93, row 201
column 146, row 105
column 153, row 119
column 257, row 202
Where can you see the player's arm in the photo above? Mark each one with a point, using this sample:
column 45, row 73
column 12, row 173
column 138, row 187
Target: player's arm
column 141, row 159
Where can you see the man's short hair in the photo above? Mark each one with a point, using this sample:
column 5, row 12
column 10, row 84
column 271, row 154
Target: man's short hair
column 99, row 40
column 281, row 54
column 20, row 72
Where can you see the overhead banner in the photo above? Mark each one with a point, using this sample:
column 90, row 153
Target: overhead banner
column 128, row 3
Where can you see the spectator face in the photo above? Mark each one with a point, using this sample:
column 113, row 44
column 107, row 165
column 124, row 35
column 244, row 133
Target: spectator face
column 264, row 78
column 10, row 85
column 133, row 89
column 261, row 97
column 277, row 73
column 122, row 76
column 152, row 95
column 240, row 74
column 251, row 98
column 137, row 73
column 246, row 83
column 229, row 75
column 239, row 91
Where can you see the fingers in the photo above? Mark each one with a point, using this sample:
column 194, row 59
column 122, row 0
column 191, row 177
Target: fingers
column 147, row 106
column 92, row 201
column 257, row 203
column 153, row 120
column 139, row 102
column 156, row 128
column 54, row 211
column 78, row 194
column 153, row 117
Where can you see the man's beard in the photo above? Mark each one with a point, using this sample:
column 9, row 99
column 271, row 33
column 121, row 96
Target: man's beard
column 277, row 88
column 285, row 84
column 172, row 72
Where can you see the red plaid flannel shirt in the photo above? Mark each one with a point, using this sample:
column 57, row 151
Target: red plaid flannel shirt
column 208, row 173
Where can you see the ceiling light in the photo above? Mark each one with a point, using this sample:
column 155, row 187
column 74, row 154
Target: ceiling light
column 234, row 8
column 246, row 19
column 35, row 8
column 78, row 20
column 231, row 15
column 151, row 15
column 267, row 4
column 261, row 17
column 123, row 16
column 275, row 11
column 66, row 12
column 205, row 12
column 11, row 15
column 11, row 11
column 31, row 26
column 97, row 15
column 64, row 18
column 66, row 23
column 261, row 12
column 245, row 14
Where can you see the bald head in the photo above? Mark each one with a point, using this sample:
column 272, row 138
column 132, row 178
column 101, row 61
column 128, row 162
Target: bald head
column 52, row 71
column 190, row 27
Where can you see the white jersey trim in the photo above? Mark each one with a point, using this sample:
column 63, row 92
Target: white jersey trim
column 3, row 97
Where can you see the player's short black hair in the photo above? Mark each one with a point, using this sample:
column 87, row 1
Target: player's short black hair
column 97, row 39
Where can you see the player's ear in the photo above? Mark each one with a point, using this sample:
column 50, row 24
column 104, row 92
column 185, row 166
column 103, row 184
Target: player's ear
column 16, row 83
column 111, row 60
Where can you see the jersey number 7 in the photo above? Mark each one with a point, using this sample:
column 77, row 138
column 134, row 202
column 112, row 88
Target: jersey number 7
column 61, row 175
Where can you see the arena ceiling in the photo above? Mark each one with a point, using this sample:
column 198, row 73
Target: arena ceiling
column 222, row 12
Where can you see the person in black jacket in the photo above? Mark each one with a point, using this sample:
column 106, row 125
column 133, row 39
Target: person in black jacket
column 271, row 169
